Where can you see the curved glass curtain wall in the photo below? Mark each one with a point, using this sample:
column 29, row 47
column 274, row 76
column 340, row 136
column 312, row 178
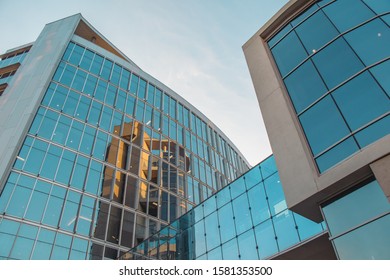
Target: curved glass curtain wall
column 334, row 61
column 109, row 158
column 248, row 220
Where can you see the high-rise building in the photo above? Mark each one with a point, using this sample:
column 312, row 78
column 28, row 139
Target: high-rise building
column 321, row 75
column 321, row 71
column 96, row 155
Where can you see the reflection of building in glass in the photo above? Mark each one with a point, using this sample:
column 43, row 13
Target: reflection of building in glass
column 96, row 154
column 324, row 67
column 248, row 219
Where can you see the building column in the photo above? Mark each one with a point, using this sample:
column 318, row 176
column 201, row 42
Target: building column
column 381, row 170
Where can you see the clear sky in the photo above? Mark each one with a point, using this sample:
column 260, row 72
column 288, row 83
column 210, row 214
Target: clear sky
column 193, row 47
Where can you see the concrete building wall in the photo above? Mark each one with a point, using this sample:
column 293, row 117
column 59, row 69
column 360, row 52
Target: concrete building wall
column 305, row 188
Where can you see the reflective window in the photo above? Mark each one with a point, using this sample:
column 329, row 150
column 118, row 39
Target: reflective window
column 226, row 222
column 353, row 209
column 230, row 250
column 212, row 231
column 381, row 6
column 306, row 227
column 323, row 125
column 258, row 204
column 380, row 73
column 316, row 31
column 305, row 86
column 337, row 62
column 347, row 14
column 247, row 246
column 285, row 230
column 375, row 131
column 338, row 153
column 275, row 194
column 361, row 100
column 287, row 60
column 242, row 216
column 370, row 242
column 374, row 46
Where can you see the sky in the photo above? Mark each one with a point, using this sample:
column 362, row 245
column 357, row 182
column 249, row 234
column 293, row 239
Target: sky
column 194, row 47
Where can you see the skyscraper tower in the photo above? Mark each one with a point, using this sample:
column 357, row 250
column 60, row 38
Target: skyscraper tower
column 96, row 154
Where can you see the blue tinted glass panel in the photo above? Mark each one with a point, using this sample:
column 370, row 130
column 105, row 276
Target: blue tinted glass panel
column 61, row 130
column 375, row 45
column 75, row 134
column 361, row 100
column 347, row 14
column 242, row 215
column 259, row 205
column 274, row 190
column 288, row 53
column 79, row 172
column 230, row 250
column 266, row 239
column 58, row 99
column 279, row 35
column 337, row 62
column 110, row 96
column 336, row 154
column 50, row 164
column 212, row 231
column 247, row 246
column 35, row 157
column 306, row 227
column 38, row 201
column 106, row 70
column 223, row 196
column 22, row 248
column 369, row 242
column 71, row 103
column 355, row 208
column 215, row 254
column 96, row 64
column 268, row 167
column 86, row 61
column 285, row 230
column 76, row 55
column 323, row 125
column 82, row 109
column 375, row 131
column 42, row 251
column 87, row 140
column 253, row 177
column 316, row 31
column 66, row 165
column 68, row 74
column 303, row 16
column 237, row 187
column 381, row 74
column 94, row 113
column 304, row 86
column 226, row 222
column 18, row 202
column 54, row 207
column 379, row 6
column 79, row 80
column 199, row 238
column 48, row 123
column 101, row 89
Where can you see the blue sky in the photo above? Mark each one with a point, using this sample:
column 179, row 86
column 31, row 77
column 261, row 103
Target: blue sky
column 194, row 47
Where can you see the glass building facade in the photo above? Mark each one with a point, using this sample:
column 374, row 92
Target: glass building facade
column 111, row 155
column 359, row 223
column 246, row 220
column 334, row 61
